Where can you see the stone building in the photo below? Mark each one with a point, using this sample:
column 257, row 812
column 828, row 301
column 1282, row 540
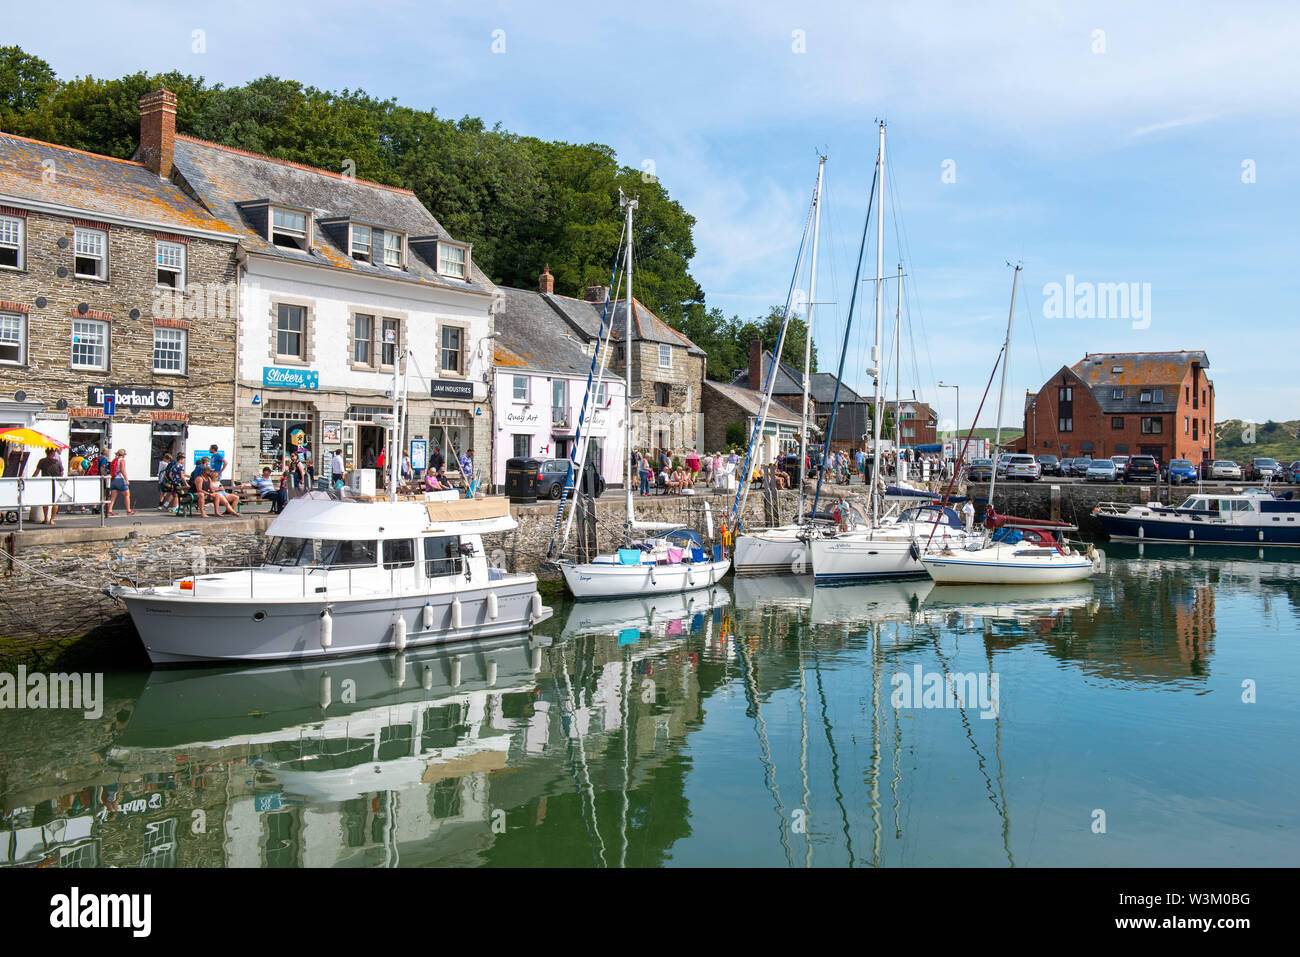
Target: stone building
column 726, row 405
column 339, row 278
column 1124, row 403
column 114, row 285
column 540, row 381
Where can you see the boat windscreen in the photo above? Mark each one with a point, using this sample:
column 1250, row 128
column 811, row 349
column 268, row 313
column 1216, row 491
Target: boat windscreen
column 293, row 552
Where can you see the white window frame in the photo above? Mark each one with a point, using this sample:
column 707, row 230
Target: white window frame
column 514, row 389
column 1144, row 396
column 8, row 319
column 179, row 271
column 665, row 352
column 13, row 235
column 383, row 343
column 87, row 325
column 459, row 370
column 292, row 232
column 602, row 395
column 400, row 249
column 358, row 250
column 356, row 341
column 301, row 354
column 184, row 338
column 101, row 257
column 444, row 260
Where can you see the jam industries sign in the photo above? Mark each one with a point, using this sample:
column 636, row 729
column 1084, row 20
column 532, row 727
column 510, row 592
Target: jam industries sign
column 451, row 389
column 129, row 397
column 277, row 377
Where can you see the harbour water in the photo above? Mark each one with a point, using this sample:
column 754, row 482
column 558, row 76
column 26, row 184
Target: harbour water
column 1143, row 718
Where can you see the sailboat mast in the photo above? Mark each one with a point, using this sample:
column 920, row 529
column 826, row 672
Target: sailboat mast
column 1002, row 388
column 807, row 343
column 875, row 349
column 898, row 353
column 630, row 205
column 395, row 439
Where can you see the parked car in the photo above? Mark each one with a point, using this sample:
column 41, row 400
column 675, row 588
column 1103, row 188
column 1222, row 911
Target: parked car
column 1051, row 465
column 1224, row 469
column 1292, row 473
column 1102, row 470
column 1262, row 470
column 1003, row 459
column 1179, row 471
column 551, row 476
column 981, row 470
column 1141, row 467
column 1121, row 464
column 1079, row 466
column 1024, row 467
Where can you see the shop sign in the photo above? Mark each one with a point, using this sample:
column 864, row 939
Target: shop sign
column 331, row 432
column 524, row 416
column 278, row 377
column 451, row 389
column 128, row 397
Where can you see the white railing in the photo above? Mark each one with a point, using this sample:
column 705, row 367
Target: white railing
column 312, row 580
column 21, row 493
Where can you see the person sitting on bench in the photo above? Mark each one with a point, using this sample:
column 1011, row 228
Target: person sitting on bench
column 267, row 491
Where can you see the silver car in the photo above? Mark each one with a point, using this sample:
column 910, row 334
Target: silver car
column 1101, row 470
column 1224, row 469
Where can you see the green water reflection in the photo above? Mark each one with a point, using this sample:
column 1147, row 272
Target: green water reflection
column 765, row 723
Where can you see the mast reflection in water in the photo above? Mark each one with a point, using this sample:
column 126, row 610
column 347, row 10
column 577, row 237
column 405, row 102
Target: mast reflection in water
column 764, row 723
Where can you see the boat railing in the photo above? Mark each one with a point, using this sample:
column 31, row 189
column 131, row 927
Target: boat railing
column 313, row 580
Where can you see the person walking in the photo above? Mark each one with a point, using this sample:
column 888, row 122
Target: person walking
column 336, row 469
column 50, row 467
column 968, row 515
column 118, row 483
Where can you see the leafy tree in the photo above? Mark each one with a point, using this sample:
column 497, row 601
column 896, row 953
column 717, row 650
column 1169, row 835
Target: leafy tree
column 25, row 82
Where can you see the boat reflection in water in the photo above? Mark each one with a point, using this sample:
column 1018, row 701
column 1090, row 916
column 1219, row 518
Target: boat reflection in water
column 659, row 617
column 773, row 592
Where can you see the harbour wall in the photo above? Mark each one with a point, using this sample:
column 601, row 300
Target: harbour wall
column 54, row 588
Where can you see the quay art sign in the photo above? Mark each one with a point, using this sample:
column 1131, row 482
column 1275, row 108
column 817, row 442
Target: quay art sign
column 451, row 389
column 278, row 377
column 129, row 397
column 523, row 416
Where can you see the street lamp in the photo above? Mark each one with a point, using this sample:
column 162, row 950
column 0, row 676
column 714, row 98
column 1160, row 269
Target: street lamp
column 944, row 385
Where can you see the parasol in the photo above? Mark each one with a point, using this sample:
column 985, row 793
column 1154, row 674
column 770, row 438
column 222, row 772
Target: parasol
column 30, row 439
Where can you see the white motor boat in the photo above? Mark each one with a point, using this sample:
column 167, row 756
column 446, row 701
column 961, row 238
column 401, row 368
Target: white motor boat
column 343, row 576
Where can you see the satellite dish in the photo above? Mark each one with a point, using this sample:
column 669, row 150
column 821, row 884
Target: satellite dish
column 20, row 396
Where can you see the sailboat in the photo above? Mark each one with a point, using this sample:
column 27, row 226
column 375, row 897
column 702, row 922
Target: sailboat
column 670, row 559
column 783, row 549
column 885, row 547
column 1012, row 551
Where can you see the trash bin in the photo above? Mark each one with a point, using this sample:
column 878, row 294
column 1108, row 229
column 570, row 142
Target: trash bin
column 792, row 465
column 521, row 480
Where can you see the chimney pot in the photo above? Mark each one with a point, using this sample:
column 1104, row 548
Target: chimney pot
column 158, row 131
column 597, row 294
column 546, row 282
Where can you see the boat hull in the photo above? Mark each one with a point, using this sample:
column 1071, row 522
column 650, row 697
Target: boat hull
column 180, row 630
column 611, row 580
column 1124, row 528
column 843, row 560
column 982, row 569
column 774, row 552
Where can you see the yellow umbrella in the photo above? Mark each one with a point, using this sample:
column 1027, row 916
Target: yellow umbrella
column 30, row 439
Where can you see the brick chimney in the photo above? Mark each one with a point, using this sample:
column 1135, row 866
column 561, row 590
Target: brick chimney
column 597, row 294
column 546, row 282
column 158, row 131
column 756, row 363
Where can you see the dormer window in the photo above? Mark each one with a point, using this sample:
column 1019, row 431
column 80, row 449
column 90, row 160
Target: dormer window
column 360, row 243
column 452, row 260
column 289, row 228
column 394, row 250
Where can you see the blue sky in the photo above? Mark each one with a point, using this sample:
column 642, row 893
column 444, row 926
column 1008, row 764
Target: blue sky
column 1112, row 156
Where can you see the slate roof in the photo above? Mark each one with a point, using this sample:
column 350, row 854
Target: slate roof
column 1139, row 370
column 98, row 184
column 224, row 177
column 789, row 381
column 534, row 336
column 585, row 316
column 751, row 402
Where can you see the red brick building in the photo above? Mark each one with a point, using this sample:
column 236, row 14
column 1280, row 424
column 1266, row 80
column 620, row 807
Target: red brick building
column 1124, row 403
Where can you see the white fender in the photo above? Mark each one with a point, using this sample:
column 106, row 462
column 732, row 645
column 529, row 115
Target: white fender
column 399, row 633
column 491, row 672
column 708, row 519
column 492, row 605
column 326, row 629
column 326, row 692
column 428, row 616
column 426, row 680
column 399, row 665
column 536, row 611
column 536, row 663
column 455, row 671
column 455, row 614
